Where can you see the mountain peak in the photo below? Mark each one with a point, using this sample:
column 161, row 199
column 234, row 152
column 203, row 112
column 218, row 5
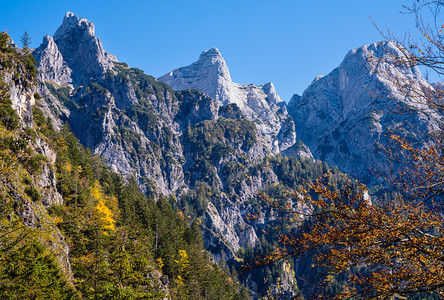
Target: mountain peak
column 70, row 14
column 211, row 76
column 71, row 21
column 70, row 18
column 51, row 65
column 384, row 52
column 208, row 74
column 81, row 49
column 378, row 49
column 347, row 114
column 212, row 59
column 210, row 53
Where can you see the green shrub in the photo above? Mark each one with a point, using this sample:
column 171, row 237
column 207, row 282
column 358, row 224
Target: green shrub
column 26, row 180
column 30, row 64
column 34, row 164
column 8, row 116
column 32, row 193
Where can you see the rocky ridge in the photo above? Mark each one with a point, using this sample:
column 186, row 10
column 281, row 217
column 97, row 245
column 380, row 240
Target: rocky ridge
column 74, row 92
column 345, row 117
column 76, row 38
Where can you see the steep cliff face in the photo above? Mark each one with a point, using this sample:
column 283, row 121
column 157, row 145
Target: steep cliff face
column 52, row 66
column 27, row 170
column 217, row 150
column 260, row 104
column 52, row 69
column 21, row 89
column 76, row 38
column 346, row 116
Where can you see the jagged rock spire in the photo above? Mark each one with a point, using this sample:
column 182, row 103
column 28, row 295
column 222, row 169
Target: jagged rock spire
column 209, row 74
column 50, row 62
column 81, row 49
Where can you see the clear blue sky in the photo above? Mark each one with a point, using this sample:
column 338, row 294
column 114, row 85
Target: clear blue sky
column 287, row 42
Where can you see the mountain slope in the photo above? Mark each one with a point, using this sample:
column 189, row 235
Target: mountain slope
column 85, row 86
column 180, row 143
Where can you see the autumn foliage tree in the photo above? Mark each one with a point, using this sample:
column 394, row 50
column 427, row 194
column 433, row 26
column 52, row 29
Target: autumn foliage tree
column 386, row 249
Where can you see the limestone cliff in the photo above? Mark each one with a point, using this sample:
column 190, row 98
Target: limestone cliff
column 345, row 117
column 260, row 104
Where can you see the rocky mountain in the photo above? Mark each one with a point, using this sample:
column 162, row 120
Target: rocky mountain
column 345, row 117
column 76, row 38
column 216, row 148
column 82, row 83
column 260, row 104
column 178, row 143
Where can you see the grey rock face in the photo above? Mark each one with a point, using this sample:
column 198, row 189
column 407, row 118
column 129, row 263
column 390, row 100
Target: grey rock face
column 209, row 74
column 75, row 58
column 52, row 68
column 195, row 107
column 293, row 103
column 345, row 116
column 47, row 180
column 226, row 229
column 21, row 93
column 128, row 144
column 80, row 48
column 51, row 65
column 260, row 104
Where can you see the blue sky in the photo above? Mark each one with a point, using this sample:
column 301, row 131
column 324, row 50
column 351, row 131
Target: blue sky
column 287, row 42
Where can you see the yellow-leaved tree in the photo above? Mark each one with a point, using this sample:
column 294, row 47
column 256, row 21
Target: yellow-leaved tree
column 184, row 266
column 105, row 208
